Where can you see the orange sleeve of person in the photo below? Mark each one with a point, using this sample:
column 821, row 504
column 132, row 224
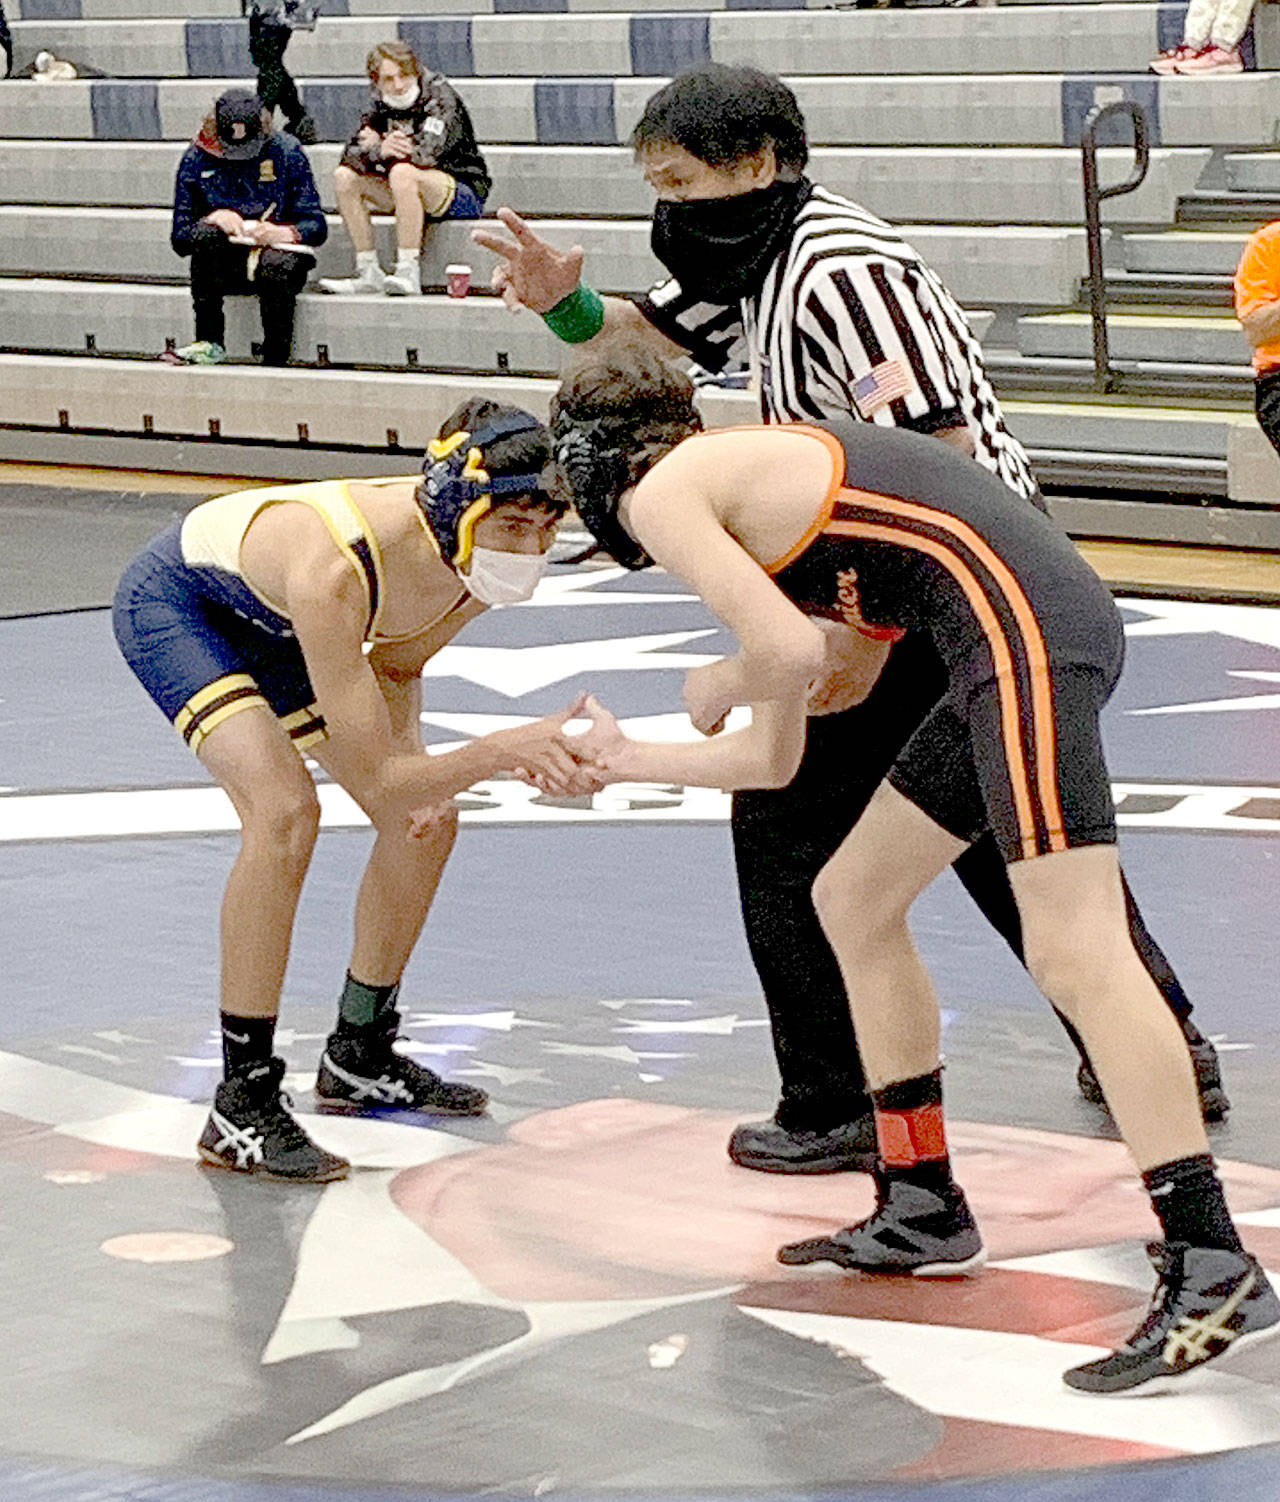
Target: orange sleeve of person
column 1257, row 279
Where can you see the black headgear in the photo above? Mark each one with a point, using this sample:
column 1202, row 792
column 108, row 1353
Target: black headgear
column 593, row 459
column 593, row 453
column 457, row 490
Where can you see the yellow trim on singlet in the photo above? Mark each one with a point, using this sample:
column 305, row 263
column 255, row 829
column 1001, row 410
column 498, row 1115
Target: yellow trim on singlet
column 203, row 712
column 297, row 725
column 375, row 553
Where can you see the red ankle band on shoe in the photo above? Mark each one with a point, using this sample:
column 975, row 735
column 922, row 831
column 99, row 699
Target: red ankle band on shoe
column 909, row 1137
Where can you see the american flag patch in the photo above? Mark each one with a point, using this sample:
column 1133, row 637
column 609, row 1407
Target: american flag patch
column 882, row 384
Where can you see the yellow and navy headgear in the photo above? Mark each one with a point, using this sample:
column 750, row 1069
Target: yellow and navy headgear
column 457, row 489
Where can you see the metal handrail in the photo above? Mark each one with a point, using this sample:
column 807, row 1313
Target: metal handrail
column 1104, row 377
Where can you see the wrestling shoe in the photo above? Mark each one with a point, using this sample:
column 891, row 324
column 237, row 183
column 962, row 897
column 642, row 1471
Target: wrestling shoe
column 250, row 1130
column 357, row 1077
column 1214, row 1103
column 912, row 1230
column 1207, row 1302
column 770, row 1148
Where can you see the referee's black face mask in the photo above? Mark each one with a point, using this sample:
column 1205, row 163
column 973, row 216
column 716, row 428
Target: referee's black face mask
column 720, row 249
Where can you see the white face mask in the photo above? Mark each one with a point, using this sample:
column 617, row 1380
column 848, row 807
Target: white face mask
column 498, row 578
column 406, row 99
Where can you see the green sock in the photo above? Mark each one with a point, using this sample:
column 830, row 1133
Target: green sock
column 360, row 1006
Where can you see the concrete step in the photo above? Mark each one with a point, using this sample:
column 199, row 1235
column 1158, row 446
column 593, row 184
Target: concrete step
column 476, row 334
column 1173, row 289
column 1147, row 336
column 850, row 110
column 1183, row 252
column 1219, row 206
column 250, row 404
column 932, row 185
column 1048, row 39
column 1253, row 171
column 1022, row 265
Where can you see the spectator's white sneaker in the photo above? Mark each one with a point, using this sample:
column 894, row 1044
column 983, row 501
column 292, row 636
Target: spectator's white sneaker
column 1168, row 61
column 403, row 282
column 370, row 282
column 1212, row 60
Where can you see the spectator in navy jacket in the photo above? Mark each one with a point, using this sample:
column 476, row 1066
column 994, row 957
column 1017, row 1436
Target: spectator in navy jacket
column 247, row 212
column 414, row 154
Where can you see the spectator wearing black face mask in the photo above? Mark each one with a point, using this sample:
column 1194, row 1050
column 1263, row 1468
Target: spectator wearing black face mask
column 834, row 315
column 247, row 212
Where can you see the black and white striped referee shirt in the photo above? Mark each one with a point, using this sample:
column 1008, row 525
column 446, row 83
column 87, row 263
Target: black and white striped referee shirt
column 851, row 322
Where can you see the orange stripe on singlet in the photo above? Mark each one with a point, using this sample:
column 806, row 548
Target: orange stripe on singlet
column 1044, row 735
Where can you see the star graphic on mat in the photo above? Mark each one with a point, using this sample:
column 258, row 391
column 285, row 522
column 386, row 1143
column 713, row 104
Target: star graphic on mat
column 581, row 589
column 515, row 671
column 1252, row 623
column 1214, row 706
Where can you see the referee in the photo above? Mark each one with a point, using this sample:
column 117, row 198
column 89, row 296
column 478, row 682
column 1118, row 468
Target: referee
column 833, row 314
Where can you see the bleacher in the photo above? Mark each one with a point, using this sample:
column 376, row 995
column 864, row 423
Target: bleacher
column 963, row 126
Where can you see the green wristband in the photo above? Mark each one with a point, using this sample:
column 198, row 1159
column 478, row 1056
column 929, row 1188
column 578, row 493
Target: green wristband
column 578, row 317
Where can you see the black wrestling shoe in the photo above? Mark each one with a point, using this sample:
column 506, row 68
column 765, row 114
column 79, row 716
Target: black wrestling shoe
column 358, row 1076
column 250, row 1130
column 1207, row 1302
column 912, row 1230
column 1214, row 1104
column 770, row 1148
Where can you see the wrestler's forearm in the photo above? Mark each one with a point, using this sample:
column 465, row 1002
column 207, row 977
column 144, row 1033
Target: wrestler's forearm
column 764, row 755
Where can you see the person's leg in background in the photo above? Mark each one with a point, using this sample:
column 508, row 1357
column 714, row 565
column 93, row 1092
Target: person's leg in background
column 6, row 44
column 280, row 276
column 1220, row 53
column 217, row 269
column 985, row 877
column 359, row 193
column 276, row 88
column 1266, row 403
column 419, row 194
column 782, row 839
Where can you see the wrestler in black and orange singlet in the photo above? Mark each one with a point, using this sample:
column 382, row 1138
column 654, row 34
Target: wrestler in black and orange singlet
column 914, row 535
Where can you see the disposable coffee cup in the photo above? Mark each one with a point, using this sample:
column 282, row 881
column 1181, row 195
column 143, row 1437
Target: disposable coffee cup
column 458, row 280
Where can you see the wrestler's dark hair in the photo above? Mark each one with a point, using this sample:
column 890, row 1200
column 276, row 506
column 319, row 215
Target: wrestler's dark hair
column 644, row 403
column 723, row 115
column 525, row 452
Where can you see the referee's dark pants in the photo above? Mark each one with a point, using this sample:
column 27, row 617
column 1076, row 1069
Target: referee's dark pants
column 220, row 269
column 783, row 838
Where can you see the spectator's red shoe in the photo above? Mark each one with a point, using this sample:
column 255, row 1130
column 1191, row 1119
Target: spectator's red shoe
column 1212, row 60
column 1168, row 61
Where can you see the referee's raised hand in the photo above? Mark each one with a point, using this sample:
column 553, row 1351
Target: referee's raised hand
column 530, row 272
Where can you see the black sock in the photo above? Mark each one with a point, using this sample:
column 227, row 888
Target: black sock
column 910, row 1133
column 247, row 1043
column 363, row 1010
column 1187, row 1196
